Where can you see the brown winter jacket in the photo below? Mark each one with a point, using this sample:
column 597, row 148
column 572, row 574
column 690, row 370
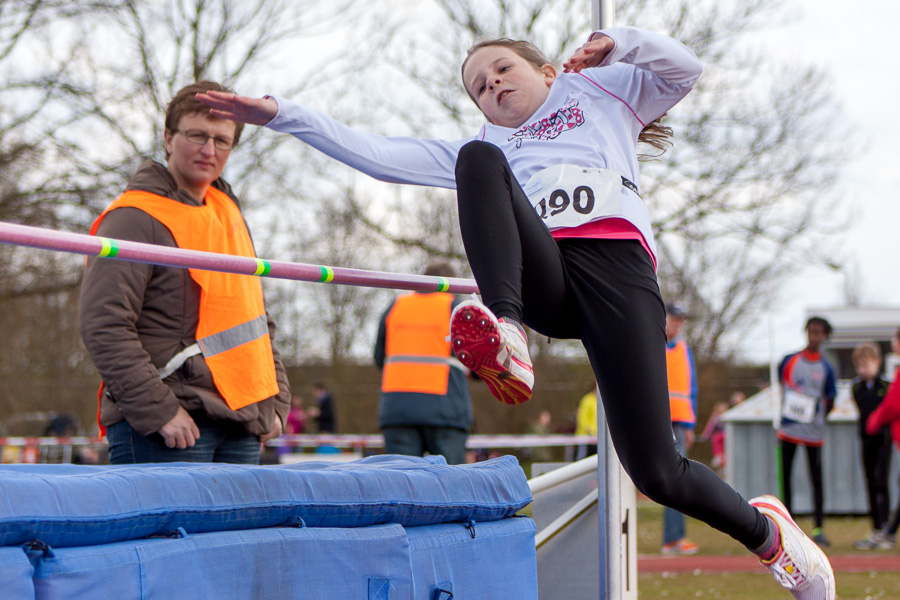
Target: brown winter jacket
column 135, row 317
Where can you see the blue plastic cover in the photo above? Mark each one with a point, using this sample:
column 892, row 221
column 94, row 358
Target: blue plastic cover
column 76, row 505
column 280, row 563
column 499, row 561
column 15, row 574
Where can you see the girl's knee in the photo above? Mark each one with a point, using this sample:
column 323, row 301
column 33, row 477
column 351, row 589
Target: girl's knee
column 661, row 485
column 477, row 154
column 652, row 485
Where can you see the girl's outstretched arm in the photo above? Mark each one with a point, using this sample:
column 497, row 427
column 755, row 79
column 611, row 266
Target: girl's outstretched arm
column 392, row 159
column 589, row 55
column 648, row 71
column 225, row 105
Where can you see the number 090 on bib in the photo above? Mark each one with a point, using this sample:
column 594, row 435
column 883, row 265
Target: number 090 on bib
column 569, row 195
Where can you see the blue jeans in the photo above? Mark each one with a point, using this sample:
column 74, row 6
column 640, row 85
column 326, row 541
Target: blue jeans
column 220, row 441
column 673, row 521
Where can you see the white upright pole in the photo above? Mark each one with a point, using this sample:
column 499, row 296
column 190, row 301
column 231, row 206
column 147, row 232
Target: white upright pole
column 603, row 14
column 613, row 562
column 774, row 385
column 606, row 539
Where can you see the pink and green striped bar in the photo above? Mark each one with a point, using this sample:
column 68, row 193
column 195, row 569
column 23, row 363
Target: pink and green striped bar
column 79, row 243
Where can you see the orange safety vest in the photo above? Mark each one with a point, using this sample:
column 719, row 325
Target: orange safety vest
column 232, row 333
column 417, row 352
column 678, row 370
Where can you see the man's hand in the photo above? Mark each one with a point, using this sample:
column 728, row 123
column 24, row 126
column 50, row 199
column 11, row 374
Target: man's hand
column 181, row 432
column 688, row 438
column 589, row 55
column 276, row 431
column 225, row 105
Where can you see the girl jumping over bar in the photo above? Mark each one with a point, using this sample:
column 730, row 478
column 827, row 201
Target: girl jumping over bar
column 559, row 239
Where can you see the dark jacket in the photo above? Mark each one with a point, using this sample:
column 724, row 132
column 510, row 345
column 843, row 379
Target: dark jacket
column 867, row 400
column 416, row 409
column 135, row 317
column 326, row 421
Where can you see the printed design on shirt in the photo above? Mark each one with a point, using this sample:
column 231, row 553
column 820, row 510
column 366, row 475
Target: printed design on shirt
column 564, row 119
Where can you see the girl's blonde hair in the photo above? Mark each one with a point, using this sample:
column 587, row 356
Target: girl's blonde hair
column 654, row 134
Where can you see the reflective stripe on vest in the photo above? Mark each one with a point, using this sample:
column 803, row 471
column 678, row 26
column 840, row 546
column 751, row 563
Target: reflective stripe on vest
column 218, row 343
column 417, row 353
column 233, row 326
column 450, row 360
column 678, row 370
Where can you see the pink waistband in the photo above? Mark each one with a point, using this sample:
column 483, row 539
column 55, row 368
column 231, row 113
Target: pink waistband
column 605, row 229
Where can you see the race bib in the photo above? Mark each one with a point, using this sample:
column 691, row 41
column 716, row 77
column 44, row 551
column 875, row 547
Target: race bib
column 569, row 196
column 799, row 407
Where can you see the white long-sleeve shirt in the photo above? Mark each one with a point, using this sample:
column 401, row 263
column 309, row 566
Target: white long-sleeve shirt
column 590, row 119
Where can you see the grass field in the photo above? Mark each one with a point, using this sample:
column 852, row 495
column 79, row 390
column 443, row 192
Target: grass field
column 758, row 586
column 842, row 532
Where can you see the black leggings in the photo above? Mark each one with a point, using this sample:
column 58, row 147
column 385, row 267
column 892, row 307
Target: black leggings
column 876, row 455
column 814, row 462
column 605, row 293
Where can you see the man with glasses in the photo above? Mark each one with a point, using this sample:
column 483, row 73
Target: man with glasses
column 186, row 356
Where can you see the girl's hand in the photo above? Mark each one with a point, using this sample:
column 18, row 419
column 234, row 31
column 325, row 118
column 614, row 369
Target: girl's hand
column 225, row 105
column 589, row 55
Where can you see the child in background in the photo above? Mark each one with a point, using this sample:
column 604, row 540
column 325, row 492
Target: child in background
column 715, row 432
column 296, row 421
column 808, row 391
column 869, row 390
column 888, row 414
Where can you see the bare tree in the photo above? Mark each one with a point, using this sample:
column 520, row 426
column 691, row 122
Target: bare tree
column 82, row 95
column 742, row 198
column 745, row 195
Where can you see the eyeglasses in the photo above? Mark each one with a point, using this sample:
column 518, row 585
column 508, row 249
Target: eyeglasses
column 200, row 138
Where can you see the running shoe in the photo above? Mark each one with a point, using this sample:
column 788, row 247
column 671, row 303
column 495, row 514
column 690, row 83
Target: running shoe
column 887, row 542
column 871, row 542
column 682, row 546
column 821, row 539
column 800, row 565
column 495, row 350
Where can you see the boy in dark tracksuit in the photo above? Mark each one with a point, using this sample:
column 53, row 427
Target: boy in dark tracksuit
column 869, row 390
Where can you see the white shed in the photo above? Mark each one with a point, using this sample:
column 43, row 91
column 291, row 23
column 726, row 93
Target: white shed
column 750, row 433
column 750, row 456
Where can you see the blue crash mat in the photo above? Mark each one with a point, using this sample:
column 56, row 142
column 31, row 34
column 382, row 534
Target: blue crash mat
column 15, row 575
column 72, row 505
column 277, row 563
column 480, row 560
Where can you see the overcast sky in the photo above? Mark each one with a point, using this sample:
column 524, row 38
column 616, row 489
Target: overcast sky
column 858, row 45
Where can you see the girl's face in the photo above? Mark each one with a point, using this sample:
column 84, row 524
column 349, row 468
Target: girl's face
column 507, row 88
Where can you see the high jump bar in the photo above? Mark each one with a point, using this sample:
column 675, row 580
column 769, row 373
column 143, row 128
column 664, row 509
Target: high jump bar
column 80, row 243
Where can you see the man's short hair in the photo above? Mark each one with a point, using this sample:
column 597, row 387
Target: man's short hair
column 440, row 268
column 185, row 103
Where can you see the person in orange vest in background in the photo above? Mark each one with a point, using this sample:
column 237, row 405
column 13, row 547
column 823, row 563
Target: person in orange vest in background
column 425, row 405
column 186, row 356
column 682, row 378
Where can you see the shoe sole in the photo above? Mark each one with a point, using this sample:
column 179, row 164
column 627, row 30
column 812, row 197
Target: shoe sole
column 475, row 337
column 774, row 504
